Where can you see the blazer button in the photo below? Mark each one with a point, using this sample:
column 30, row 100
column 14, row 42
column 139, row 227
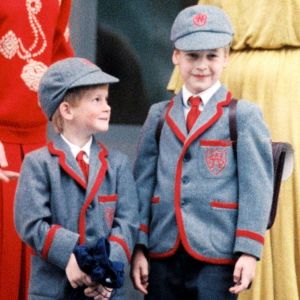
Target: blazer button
column 185, row 180
column 187, row 157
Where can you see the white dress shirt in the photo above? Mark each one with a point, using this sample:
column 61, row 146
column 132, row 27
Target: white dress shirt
column 76, row 149
column 205, row 96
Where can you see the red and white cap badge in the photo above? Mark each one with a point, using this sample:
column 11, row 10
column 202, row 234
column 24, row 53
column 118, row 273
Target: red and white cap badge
column 200, row 19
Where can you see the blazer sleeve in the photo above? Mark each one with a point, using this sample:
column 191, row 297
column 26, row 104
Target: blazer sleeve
column 126, row 220
column 61, row 41
column 255, row 179
column 145, row 169
column 33, row 218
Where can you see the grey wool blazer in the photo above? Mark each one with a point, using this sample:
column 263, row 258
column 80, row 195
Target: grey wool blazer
column 193, row 191
column 55, row 209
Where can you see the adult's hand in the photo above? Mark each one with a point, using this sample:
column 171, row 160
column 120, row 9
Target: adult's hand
column 5, row 175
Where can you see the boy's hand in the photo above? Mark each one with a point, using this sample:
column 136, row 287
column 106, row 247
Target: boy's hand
column 74, row 274
column 98, row 292
column 5, row 175
column 243, row 274
column 139, row 270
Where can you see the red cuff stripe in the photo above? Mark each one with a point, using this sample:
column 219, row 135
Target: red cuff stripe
column 251, row 235
column 123, row 244
column 144, row 228
column 49, row 239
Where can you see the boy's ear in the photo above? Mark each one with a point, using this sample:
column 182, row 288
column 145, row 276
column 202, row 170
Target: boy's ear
column 66, row 110
column 226, row 55
column 175, row 57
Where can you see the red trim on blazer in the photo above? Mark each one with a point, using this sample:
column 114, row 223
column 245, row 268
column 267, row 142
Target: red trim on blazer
column 216, row 143
column 63, row 163
column 250, row 235
column 177, row 195
column 108, row 198
column 123, row 244
column 226, row 205
column 49, row 239
column 155, row 200
column 172, row 124
column 168, row 253
column 99, row 179
column 144, row 228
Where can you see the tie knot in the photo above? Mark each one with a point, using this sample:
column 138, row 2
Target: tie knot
column 80, row 155
column 195, row 101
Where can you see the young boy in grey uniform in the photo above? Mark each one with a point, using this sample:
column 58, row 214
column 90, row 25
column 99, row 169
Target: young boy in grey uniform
column 76, row 201
column 204, row 212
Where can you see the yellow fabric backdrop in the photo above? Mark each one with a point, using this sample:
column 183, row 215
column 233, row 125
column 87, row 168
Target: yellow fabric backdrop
column 265, row 68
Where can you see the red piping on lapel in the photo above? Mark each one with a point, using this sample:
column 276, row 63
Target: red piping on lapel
column 177, row 196
column 49, row 239
column 250, row 235
column 168, row 253
column 123, row 244
column 62, row 162
column 82, row 224
column 172, row 124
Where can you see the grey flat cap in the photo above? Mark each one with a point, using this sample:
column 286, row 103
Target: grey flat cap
column 65, row 75
column 201, row 27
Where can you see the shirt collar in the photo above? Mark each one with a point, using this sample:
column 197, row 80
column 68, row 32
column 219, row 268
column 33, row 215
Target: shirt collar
column 205, row 95
column 75, row 149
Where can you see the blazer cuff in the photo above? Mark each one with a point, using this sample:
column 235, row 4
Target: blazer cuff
column 119, row 249
column 61, row 248
column 143, row 235
column 249, row 242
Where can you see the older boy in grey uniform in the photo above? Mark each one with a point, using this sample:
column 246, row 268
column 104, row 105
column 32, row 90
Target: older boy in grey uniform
column 204, row 213
column 75, row 191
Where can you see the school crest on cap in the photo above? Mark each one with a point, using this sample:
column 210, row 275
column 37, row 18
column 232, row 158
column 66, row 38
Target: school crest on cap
column 200, row 19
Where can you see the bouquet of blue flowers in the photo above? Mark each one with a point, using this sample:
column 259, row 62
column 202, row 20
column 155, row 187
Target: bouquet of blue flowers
column 94, row 261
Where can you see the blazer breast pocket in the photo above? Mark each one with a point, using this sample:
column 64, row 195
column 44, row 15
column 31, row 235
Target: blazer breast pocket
column 108, row 203
column 216, row 158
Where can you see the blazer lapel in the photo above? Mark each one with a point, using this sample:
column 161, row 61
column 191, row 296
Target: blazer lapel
column 66, row 160
column 97, row 163
column 175, row 118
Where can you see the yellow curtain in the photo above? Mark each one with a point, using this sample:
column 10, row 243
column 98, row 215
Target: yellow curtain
column 265, row 68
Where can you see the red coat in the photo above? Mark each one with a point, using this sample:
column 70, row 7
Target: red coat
column 32, row 36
